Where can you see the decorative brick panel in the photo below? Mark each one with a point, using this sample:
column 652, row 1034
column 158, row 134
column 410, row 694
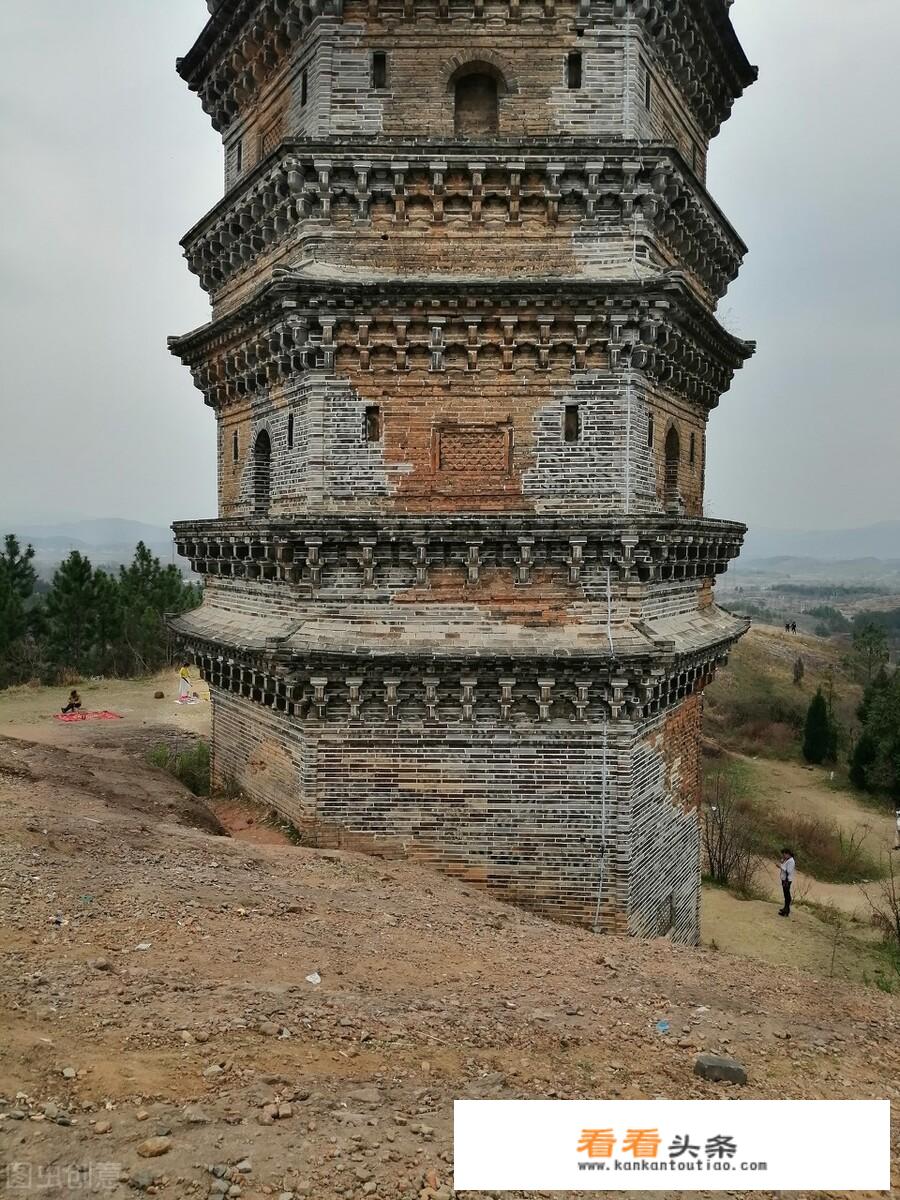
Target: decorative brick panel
column 474, row 451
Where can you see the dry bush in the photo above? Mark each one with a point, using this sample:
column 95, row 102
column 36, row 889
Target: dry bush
column 822, row 848
column 884, row 901
column 727, row 834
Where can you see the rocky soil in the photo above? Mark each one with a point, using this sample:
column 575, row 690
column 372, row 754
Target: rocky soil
column 188, row 1015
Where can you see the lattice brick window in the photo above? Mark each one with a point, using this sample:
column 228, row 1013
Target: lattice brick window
column 270, row 137
column 475, row 450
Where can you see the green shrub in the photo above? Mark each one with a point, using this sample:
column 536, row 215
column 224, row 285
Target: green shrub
column 190, row 767
column 819, row 735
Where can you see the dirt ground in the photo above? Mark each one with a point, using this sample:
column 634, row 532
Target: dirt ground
column 294, row 1023
column 809, row 791
column 747, row 928
column 28, row 712
column 742, row 928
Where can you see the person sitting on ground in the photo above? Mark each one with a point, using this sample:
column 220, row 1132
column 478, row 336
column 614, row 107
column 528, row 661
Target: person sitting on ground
column 788, row 870
column 74, row 702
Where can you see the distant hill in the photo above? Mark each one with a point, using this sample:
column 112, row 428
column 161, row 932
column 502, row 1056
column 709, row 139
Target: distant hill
column 106, row 531
column 880, row 541
column 107, row 541
column 877, row 573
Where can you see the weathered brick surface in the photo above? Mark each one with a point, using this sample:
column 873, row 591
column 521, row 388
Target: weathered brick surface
column 463, row 353
column 620, row 59
column 488, row 806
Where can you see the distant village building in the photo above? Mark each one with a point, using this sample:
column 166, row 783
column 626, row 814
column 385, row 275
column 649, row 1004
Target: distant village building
column 459, row 596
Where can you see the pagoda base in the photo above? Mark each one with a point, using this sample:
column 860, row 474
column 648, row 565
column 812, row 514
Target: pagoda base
column 595, row 826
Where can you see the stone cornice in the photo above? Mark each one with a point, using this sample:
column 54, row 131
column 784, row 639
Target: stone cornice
column 701, row 50
column 297, row 325
column 311, row 551
column 296, row 187
column 243, row 44
column 412, row 689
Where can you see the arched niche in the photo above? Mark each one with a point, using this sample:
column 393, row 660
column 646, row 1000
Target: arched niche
column 477, row 87
column 262, row 473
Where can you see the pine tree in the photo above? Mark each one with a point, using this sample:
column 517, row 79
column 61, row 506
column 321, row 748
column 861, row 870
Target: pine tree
column 109, row 656
column 880, row 683
column 147, row 592
column 16, row 566
column 818, row 736
column 17, row 581
column 71, row 615
column 882, row 733
column 13, row 618
column 864, row 755
column 870, row 646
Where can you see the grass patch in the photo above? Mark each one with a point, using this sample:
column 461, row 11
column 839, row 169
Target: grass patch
column 741, row 891
column 288, row 828
column 758, row 711
column 830, row 914
column 190, row 766
column 886, row 970
column 755, row 708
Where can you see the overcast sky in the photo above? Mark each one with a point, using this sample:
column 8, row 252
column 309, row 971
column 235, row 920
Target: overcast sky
column 108, row 160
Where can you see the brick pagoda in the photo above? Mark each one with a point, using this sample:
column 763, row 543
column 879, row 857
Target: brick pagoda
column 459, row 596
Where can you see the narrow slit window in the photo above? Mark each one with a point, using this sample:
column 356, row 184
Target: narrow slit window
column 239, row 156
column 379, row 70
column 290, row 431
column 373, row 423
column 650, row 433
column 234, row 447
column 304, row 88
column 693, row 449
column 574, row 70
column 648, row 91
column 673, row 462
column 572, row 423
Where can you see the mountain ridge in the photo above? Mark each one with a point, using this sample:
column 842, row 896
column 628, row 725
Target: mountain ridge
column 880, row 541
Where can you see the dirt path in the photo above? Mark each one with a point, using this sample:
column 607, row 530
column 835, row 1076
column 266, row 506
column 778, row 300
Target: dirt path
column 753, row 930
column 808, row 791
column 248, row 823
column 28, row 714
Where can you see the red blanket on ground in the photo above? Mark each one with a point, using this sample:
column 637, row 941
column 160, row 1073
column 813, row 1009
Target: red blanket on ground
column 88, row 716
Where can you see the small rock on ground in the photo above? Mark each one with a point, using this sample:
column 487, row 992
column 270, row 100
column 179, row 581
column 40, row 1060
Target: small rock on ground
column 719, row 1069
column 154, row 1147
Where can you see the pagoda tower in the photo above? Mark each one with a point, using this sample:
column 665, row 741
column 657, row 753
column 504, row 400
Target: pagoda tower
column 459, row 596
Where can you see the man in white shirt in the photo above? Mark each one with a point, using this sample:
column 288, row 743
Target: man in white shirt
column 788, row 871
